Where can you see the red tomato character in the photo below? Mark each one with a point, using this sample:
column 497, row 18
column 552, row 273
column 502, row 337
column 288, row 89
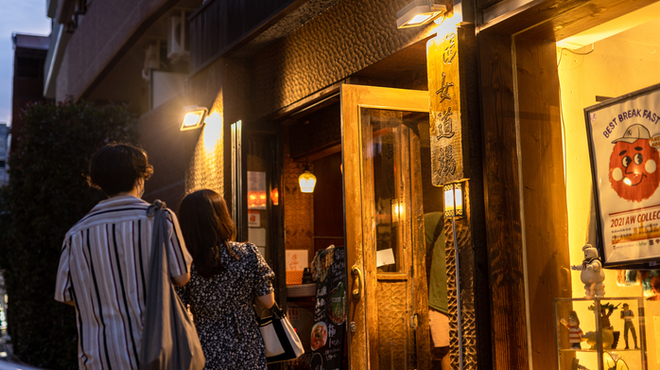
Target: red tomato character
column 634, row 162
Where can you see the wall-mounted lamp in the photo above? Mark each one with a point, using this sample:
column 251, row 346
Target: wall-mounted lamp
column 454, row 200
column 307, row 181
column 419, row 13
column 193, row 117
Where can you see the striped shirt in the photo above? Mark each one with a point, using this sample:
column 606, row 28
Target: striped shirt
column 103, row 268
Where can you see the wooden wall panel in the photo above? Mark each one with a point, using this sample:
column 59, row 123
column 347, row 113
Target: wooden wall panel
column 298, row 206
column 392, row 342
column 502, row 204
column 315, row 132
column 544, row 191
column 477, row 246
column 328, row 203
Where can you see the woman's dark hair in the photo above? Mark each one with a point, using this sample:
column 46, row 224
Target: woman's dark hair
column 116, row 167
column 206, row 225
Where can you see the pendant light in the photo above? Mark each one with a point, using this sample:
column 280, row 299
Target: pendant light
column 307, row 180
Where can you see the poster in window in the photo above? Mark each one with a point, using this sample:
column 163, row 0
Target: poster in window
column 624, row 143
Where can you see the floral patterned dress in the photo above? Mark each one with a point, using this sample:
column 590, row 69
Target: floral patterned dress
column 223, row 312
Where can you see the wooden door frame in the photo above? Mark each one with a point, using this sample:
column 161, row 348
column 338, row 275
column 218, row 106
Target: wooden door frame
column 353, row 98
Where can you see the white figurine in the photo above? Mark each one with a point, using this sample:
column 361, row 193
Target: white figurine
column 592, row 274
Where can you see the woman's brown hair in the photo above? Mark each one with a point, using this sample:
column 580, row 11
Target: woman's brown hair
column 206, row 225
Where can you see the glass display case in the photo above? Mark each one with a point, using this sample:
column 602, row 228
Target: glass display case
column 600, row 333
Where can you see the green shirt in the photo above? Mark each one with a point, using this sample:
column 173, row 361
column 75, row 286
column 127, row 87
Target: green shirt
column 438, row 276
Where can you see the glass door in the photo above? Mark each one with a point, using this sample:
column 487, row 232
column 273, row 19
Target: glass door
column 383, row 204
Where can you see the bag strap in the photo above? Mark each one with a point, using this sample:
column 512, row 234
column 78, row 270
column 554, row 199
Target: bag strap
column 157, row 205
column 276, row 311
column 157, row 210
column 285, row 334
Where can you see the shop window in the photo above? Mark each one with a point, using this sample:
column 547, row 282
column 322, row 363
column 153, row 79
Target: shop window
column 591, row 70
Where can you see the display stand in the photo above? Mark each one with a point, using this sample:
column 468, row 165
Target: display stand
column 603, row 347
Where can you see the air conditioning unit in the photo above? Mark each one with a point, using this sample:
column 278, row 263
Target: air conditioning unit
column 176, row 38
column 151, row 60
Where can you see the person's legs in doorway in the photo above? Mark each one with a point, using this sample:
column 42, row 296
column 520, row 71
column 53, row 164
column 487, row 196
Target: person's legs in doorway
column 439, row 325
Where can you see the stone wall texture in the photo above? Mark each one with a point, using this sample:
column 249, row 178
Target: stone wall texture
column 346, row 38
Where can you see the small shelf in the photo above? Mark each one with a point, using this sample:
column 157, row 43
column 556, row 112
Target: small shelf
column 601, row 324
column 301, row 290
column 594, row 351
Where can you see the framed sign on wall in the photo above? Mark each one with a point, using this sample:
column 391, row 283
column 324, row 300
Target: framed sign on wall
column 624, row 146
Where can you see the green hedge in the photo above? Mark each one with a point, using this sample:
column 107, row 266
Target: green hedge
column 47, row 193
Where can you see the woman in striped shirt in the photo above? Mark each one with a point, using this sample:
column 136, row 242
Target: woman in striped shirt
column 105, row 257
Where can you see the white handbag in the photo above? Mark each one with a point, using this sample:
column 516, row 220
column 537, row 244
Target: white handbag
column 281, row 340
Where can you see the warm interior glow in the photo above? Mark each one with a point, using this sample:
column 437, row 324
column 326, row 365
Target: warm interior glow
column 458, row 195
column 445, row 24
column 453, row 200
column 275, row 196
column 257, row 199
column 583, row 76
column 449, row 200
column 612, row 27
column 307, row 181
column 398, row 209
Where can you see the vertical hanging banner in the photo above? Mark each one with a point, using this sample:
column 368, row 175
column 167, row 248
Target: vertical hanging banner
column 446, row 129
column 624, row 144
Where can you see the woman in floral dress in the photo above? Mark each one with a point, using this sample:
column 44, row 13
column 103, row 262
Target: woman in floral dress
column 226, row 279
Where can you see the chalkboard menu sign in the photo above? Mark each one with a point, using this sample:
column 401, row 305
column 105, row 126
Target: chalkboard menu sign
column 327, row 336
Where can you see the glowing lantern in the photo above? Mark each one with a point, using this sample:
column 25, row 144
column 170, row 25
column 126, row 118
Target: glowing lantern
column 307, row 181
